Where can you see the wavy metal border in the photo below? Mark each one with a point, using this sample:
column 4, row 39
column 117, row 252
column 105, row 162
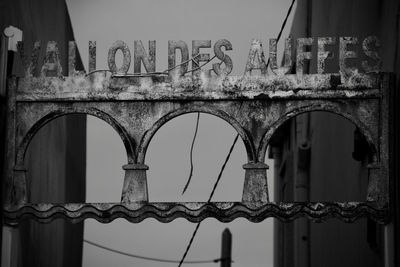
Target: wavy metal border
column 195, row 211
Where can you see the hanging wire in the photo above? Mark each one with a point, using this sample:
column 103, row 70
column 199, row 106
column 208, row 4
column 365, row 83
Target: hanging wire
column 191, row 153
column 284, row 22
column 191, row 172
column 283, row 25
column 89, row 73
column 148, row 258
column 199, row 67
column 209, row 199
column 184, row 62
column 165, row 72
column 231, row 149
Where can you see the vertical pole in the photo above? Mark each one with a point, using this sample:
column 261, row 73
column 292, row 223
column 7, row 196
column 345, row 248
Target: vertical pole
column 3, row 79
column 9, row 236
column 226, row 248
column 301, row 190
column 3, row 63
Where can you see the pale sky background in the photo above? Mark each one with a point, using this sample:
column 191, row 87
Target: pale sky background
column 168, row 155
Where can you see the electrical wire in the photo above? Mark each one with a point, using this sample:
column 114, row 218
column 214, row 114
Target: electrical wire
column 89, row 73
column 148, row 258
column 191, row 153
column 209, row 199
column 165, row 72
column 231, row 149
column 283, row 25
column 191, row 162
column 184, row 62
column 199, row 67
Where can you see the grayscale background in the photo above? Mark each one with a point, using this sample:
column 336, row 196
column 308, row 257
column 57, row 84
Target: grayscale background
column 168, row 156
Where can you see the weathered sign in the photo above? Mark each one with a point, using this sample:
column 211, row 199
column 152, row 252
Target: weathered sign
column 137, row 105
column 255, row 61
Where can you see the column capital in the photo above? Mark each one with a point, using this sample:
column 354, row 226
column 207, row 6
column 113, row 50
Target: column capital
column 255, row 165
column 135, row 166
column 20, row 168
column 373, row 166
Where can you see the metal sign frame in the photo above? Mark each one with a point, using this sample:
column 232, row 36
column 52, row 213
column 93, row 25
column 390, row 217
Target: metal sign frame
column 256, row 106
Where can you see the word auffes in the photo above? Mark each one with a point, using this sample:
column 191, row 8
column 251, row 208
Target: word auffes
column 255, row 61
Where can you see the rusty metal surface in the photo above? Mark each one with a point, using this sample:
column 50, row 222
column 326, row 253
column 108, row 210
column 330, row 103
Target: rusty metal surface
column 256, row 58
column 92, row 56
column 148, row 59
column 255, row 106
column 30, row 66
column 223, row 57
column 287, row 66
column 126, row 58
column 106, row 87
column 345, row 53
column 195, row 211
column 323, row 54
column 172, row 47
column 52, row 63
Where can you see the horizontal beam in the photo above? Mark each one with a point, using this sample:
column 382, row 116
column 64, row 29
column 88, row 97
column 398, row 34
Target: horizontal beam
column 101, row 87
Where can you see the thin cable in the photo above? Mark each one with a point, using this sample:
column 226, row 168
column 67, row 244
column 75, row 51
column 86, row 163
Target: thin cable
column 96, row 71
column 165, row 72
column 147, row 258
column 223, row 167
column 197, row 126
column 184, row 62
column 147, row 74
column 231, row 149
column 191, row 154
column 199, row 67
column 283, row 25
column 284, row 22
column 209, row 199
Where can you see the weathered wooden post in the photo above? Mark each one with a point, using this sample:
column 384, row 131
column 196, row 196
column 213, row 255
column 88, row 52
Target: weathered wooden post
column 226, row 248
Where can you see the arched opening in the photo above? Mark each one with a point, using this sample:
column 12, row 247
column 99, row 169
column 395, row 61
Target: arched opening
column 168, row 158
column 55, row 161
column 105, row 158
column 320, row 156
column 144, row 143
column 67, row 162
column 45, row 120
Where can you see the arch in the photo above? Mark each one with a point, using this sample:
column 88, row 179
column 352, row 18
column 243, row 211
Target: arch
column 317, row 107
column 145, row 141
column 129, row 146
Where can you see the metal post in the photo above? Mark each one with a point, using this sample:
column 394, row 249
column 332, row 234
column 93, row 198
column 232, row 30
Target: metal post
column 3, row 79
column 3, row 64
column 301, row 191
column 226, row 248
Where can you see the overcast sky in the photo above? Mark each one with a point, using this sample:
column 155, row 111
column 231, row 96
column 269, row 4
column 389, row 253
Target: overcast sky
column 236, row 20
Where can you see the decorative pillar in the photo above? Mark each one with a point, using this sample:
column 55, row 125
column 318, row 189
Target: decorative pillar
column 375, row 191
column 135, row 183
column 18, row 190
column 255, row 190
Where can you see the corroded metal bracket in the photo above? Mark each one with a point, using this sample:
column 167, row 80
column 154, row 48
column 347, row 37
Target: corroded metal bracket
column 136, row 107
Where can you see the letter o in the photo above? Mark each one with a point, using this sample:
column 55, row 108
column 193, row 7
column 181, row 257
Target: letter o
column 126, row 62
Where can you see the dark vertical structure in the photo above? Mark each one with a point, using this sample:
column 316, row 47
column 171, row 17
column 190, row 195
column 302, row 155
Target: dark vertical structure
column 321, row 157
column 57, row 154
column 226, row 248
